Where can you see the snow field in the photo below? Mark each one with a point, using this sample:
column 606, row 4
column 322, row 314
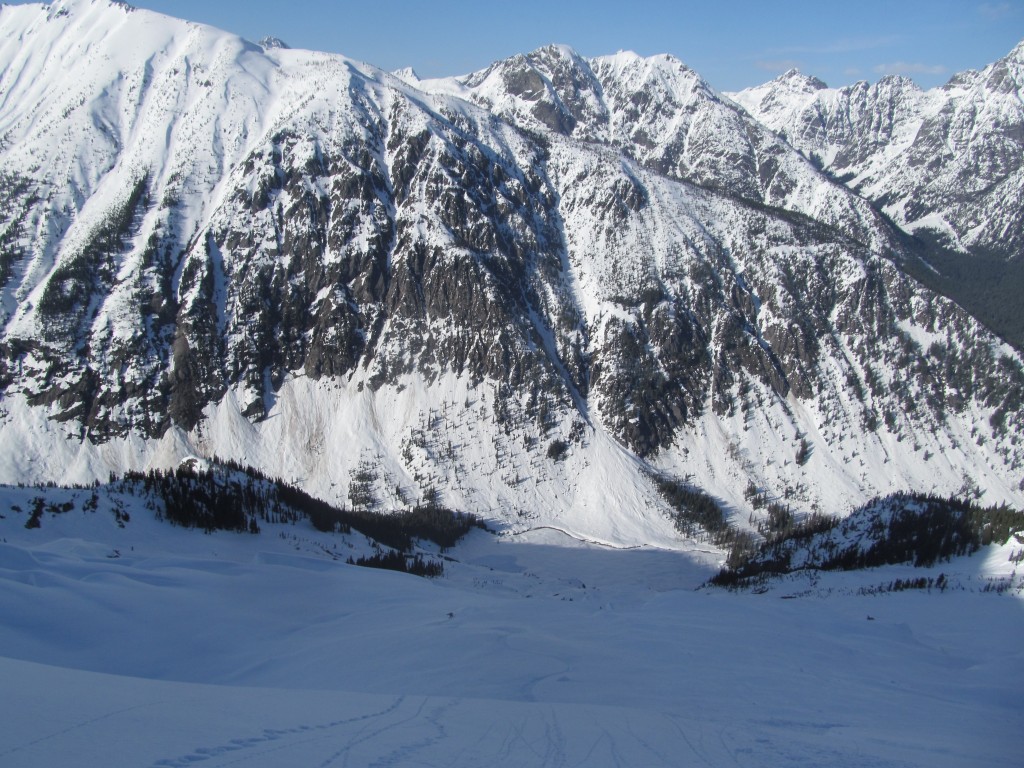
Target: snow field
column 181, row 648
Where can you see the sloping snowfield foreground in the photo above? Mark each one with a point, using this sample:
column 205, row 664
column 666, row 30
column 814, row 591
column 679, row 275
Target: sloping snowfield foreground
column 150, row 645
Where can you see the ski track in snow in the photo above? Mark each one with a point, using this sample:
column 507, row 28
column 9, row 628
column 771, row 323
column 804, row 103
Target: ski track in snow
column 427, row 731
column 276, row 740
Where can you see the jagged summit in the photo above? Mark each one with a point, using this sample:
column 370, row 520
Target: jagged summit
column 898, row 81
column 557, row 51
column 946, row 164
column 796, row 80
column 657, row 111
column 407, row 74
column 874, row 132
column 270, row 43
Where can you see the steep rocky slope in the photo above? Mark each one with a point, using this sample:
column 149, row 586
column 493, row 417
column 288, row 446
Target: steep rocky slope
column 522, row 292
column 946, row 164
column 663, row 115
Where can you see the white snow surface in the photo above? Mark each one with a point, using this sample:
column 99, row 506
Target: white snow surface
column 148, row 645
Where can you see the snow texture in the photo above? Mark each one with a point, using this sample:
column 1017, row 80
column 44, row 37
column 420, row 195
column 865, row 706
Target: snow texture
column 158, row 646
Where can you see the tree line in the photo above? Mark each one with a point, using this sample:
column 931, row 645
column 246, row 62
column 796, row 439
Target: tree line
column 919, row 529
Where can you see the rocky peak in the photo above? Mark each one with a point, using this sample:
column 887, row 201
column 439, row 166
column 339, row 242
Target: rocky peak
column 969, row 78
column 1006, row 76
column 663, row 74
column 794, row 80
column 897, row 83
column 270, row 43
column 555, row 56
column 552, row 88
column 946, row 164
column 407, row 75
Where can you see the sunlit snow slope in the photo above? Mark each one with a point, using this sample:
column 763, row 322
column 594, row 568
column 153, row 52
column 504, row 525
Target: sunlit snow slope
column 143, row 644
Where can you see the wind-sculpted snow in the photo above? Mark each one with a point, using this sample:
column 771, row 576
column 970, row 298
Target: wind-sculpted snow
column 522, row 290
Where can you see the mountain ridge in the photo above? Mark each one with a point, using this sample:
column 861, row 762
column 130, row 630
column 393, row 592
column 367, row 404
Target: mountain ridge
column 945, row 164
column 329, row 272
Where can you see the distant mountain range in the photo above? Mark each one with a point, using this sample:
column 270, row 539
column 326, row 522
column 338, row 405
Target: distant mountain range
column 528, row 293
column 946, row 165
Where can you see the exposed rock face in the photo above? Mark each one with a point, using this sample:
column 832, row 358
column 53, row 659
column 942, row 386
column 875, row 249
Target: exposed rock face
column 606, row 243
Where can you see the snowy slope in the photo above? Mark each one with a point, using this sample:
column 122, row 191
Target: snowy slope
column 152, row 645
column 488, row 288
column 492, row 292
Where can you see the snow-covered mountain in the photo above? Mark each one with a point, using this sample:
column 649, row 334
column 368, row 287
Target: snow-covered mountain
column 661, row 114
column 950, row 160
column 524, row 292
column 947, row 163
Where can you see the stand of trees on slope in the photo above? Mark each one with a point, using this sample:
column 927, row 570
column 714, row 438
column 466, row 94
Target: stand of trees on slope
column 232, row 497
column 904, row 528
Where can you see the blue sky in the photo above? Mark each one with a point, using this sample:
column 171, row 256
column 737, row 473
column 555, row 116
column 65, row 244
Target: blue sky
column 732, row 43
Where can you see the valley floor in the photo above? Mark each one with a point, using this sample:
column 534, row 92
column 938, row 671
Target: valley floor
column 178, row 648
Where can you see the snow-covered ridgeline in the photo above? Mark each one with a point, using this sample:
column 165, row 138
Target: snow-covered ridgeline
column 947, row 160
